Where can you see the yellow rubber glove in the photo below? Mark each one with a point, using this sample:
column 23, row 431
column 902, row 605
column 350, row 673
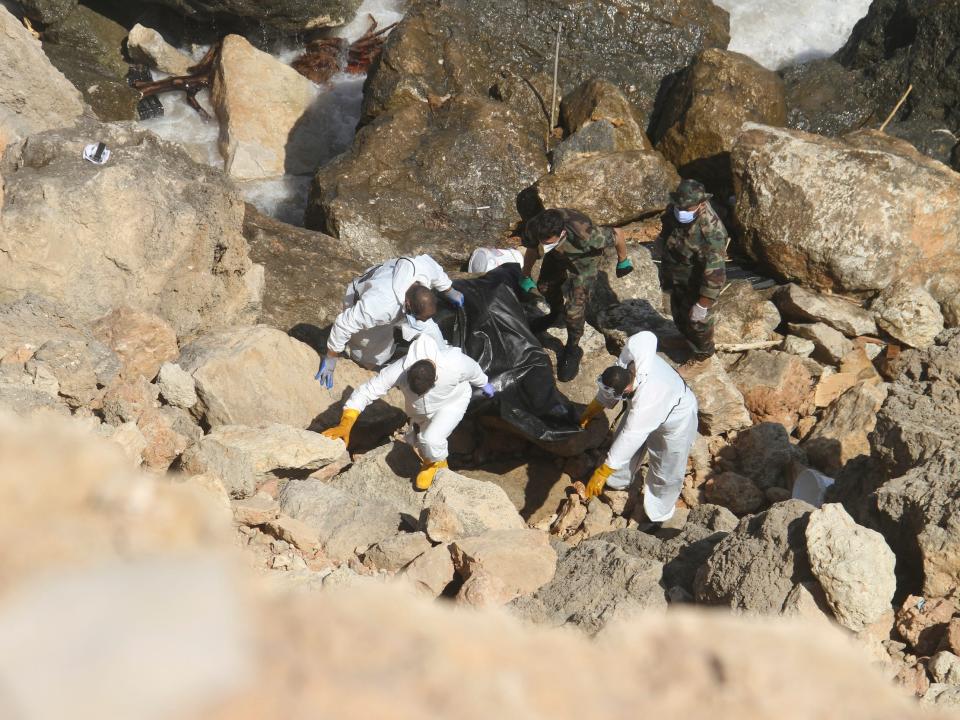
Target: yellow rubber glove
column 427, row 472
column 598, row 480
column 593, row 409
column 342, row 431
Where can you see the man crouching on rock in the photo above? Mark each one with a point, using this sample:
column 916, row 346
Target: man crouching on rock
column 436, row 384
column 662, row 414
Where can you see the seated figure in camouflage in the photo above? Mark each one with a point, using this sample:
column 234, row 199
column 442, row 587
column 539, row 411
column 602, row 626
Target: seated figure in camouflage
column 572, row 248
column 693, row 267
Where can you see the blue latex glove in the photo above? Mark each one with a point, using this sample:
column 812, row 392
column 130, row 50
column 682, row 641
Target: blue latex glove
column 488, row 390
column 325, row 374
column 528, row 285
column 455, row 297
column 624, row 267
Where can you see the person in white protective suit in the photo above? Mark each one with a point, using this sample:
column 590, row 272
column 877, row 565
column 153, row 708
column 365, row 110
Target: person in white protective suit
column 486, row 259
column 436, row 382
column 397, row 293
column 661, row 413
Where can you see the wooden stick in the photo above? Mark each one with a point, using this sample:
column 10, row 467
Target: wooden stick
column 743, row 347
column 903, row 99
column 553, row 101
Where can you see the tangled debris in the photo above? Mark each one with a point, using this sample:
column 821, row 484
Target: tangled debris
column 327, row 56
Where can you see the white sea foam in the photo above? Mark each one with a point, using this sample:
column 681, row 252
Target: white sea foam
column 776, row 33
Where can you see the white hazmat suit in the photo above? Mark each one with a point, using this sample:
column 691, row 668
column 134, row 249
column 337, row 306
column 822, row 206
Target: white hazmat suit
column 486, row 259
column 662, row 412
column 373, row 307
column 441, row 409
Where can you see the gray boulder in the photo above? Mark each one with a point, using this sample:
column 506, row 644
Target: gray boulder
column 385, row 475
column 345, row 524
column 396, row 552
column 456, row 506
column 909, row 314
column 754, row 568
column 798, row 304
column 281, row 15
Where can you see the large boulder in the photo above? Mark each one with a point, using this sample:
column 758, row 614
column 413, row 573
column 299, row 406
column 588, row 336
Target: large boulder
column 385, row 475
column 595, row 583
column 456, row 506
column 307, row 272
column 47, row 11
column 254, row 375
column 842, row 432
column 95, row 238
column 826, row 98
column 845, row 215
column 466, row 45
column 853, row 564
column 743, row 315
column 598, row 117
column 909, row 314
column 765, row 455
column 245, row 457
column 755, row 567
column 776, row 386
column 284, row 16
column 289, row 139
column 422, row 179
column 521, row 560
column 142, row 341
column 721, row 407
column 345, row 524
column 799, row 304
column 34, row 96
column 705, row 108
column 612, row 187
column 146, row 45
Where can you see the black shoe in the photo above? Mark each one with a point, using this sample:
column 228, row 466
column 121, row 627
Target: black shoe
column 569, row 363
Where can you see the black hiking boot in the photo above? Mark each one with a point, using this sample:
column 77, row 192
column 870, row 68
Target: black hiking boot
column 568, row 365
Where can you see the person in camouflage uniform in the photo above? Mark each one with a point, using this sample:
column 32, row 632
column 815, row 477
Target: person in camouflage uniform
column 693, row 267
column 573, row 249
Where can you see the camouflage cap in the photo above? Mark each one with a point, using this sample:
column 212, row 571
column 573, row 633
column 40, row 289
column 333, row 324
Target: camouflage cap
column 689, row 193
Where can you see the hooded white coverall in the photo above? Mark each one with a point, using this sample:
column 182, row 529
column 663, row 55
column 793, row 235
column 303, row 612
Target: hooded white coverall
column 486, row 259
column 441, row 409
column 373, row 306
column 663, row 414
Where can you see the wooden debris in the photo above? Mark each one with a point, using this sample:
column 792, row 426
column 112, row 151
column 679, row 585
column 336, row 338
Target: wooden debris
column 200, row 77
column 326, row 57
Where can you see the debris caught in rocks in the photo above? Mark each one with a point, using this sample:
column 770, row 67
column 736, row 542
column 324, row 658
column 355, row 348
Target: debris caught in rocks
column 325, row 57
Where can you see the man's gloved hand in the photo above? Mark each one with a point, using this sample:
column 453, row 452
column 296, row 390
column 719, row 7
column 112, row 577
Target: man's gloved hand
column 698, row 313
column 598, row 480
column 455, row 297
column 342, row 431
column 624, row 267
column 325, row 373
column 527, row 284
column 488, row 390
column 593, row 409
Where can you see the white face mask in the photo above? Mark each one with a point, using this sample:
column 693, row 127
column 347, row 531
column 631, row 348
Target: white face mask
column 550, row 246
column 418, row 325
column 684, row 216
column 607, row 396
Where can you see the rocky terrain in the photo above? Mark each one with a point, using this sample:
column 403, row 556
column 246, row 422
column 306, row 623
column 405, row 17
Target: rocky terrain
column 160, row 422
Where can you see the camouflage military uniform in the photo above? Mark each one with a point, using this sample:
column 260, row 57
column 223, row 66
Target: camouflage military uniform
column 569, row 272
column 693, row 267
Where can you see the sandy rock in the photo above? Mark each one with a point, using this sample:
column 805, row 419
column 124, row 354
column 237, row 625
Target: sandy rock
column 213, row 492
column 295, row 532
column 765, row 454
column 909, row 314
column 256, row 510
column 922, row 622
column 953, row 636
column 944, row 667
column 721, row 405
column 853, row 564
column 172, row 246
column 798, row 304
column 146, row 45
column 595, row 583
column 830, row 387
column 177, row 386
column 257, row 144
column 830, row 346
column 344, row 524
column 942, row 695
column 735, row 492
column 432, row 571
column 164, row 443
column 847, row 224
column 599, row 518
column 798, row 346
column 755, row 567
column 743, row 316
column 385, row 475
column 34, row 96
column 713, row 517
column 142, row 341
column 478, row 506
column 522, row 560
column 611, row 188
column 843, row 431
column 127, row 400
column 776, row 386
column 129, row 437
column 251, row 376
column 707, row 105
column 484, row 590
column 243, row 457
column 397, row 552
column 599, row 101
column 807, row 600
column 80, row 367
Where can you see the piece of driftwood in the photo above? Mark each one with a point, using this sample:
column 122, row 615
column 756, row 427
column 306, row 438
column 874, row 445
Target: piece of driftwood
column 200, row 77
column 743, row 347
column 325, row 57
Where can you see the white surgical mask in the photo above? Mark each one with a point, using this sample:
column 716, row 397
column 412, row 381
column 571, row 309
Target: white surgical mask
column 418, row 325
column 550, row 246
column 684, row 216
column 607, row 396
